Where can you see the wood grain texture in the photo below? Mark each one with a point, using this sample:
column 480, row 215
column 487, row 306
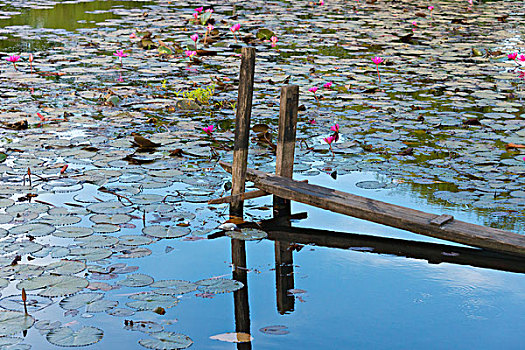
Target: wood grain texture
column 387, row 214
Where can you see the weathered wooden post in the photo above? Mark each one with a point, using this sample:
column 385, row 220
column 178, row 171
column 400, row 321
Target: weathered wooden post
column 240, row 163
column 284, row 271
column 286, row 142
column 242, row 127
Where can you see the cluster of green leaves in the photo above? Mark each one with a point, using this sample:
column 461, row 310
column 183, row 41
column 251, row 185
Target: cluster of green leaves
column 201, row 95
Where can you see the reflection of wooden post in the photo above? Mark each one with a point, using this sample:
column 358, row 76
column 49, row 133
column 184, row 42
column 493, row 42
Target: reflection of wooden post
column 242, row 127
column 240, row 297
column 286, row 142
column 284, row 274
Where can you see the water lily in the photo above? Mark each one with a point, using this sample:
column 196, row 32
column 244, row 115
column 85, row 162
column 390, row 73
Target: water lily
column 274, row 40
column 329, row 141
column 521, row 58
column 321, row 2
column 120, row 54
column 431, row 8
column 133, row 36
column 199, row 9
column 195, row 38
column 208, row 129
column 512, row 56
column 190, row 53
column 313, row 90
column 209, row 10
column 328, row 85
column 335, row 128
column 195, row 16
column 209, row 28
column 13, row 59
column 31, row 62
column 378, row 60
column 235, row 28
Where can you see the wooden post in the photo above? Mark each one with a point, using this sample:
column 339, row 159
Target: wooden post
column 242, row 127
column 284, row 271
column 286, row 142
column 240, row 297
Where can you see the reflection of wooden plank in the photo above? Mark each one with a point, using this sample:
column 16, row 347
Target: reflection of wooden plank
column 239, row 197
column 284, row 277
column 387, row 214
column 432, row 252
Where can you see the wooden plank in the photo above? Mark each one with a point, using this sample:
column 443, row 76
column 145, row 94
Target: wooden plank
column 239, row 197
column 286, row 142
column 242, row 126
column 434, row 253
column 387, row 214
column 441, row 220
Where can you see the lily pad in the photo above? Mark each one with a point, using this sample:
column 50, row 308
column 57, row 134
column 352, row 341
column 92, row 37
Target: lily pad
column 218, row 285
column 247, row 234
column 151, row 301
column 166, row 340
column 136, row 280
column 79, row 300
column 65, row 336
column 12, row 322
column 160, row 231
column 54, row 286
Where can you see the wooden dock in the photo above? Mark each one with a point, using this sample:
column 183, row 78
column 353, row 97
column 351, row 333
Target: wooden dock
column 285, row 189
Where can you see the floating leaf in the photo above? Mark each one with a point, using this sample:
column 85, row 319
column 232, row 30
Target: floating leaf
column 23, row 248
column 233, row 337
column 275, row 330
column 159, row 231
column 35, row 230
column 73, row 232
column 65, row 336
column 101, row 305
column 12, row 322
column 3, row 157
column 146, row 326
column 166, row 340
column 98, row 241
column 167, row 287
column 120, row 312
column 109, row 208
column 247, row 234
column 134, row 253
column 21, row 271
column 54, row 286
column 150, row 301
column 219, row 285
column 91, row 254
column 66, row 267
column 136, row 280
column 134, row 240
column 79, row 300
column 34, row 303
column 116, row 219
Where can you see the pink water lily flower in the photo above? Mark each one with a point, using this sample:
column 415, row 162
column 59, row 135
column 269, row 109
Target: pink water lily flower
column 329, row 140
column 13, row 59
column 313, row 89
column 521, row 58
column 190, row 53
column 274, row 40
column 195, row 38
column 133, row 36
column 378, row 60
column 431, row 8
column 199, row 9
column 120, row 53
column 512, row 56
column 209, row 10
column 234, row 28
column 328, row 85
column 195, row 16
column 210, row 27
column 335, row 128
column 321, row 2
column 208, row 129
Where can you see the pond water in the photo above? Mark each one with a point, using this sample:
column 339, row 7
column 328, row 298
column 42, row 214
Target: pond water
column 106, row 230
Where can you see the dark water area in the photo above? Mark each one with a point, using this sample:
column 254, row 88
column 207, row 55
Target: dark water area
column 331, row 281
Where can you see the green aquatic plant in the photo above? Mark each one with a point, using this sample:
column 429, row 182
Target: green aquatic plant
column 201, row 95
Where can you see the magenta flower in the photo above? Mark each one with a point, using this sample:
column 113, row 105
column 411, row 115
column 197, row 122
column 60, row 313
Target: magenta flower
column 512, row 56
column 234, row 28
column 209, row 10
column 190, row 53
column 521, row 75
column 195, row 16
column 132, row 36
column 431, row 8
column 378, row 60
column 329, row 140
column 521, row 58
column 13, row 59
column 274, row 40
column 195, row 38
column 414, row 23
column 120, row 79
column 210, row 27
column 321, row 2
column 312, row 121
column 208, row 129
column 120, row 54
column 328, row 85
column 199, row 9
column 313, row 89
column 335, row 128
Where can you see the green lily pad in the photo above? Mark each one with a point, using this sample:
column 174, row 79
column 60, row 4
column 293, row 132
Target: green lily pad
column 160, row 231
column 79, row 300
column 34, row 303
column 12, row 322
column 166, row 340
column 173, row 287
column 101, row 305
column 136, row 280
column 65, row 336
column 3, row 157
column 54, row 286
column 247, row 234
column 219, row 285
column 35, row 230
column 151, row 301
column 66, row 267
column 264, row 34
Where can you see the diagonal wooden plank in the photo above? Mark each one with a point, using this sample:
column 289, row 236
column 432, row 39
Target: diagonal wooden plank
column 387, row 214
